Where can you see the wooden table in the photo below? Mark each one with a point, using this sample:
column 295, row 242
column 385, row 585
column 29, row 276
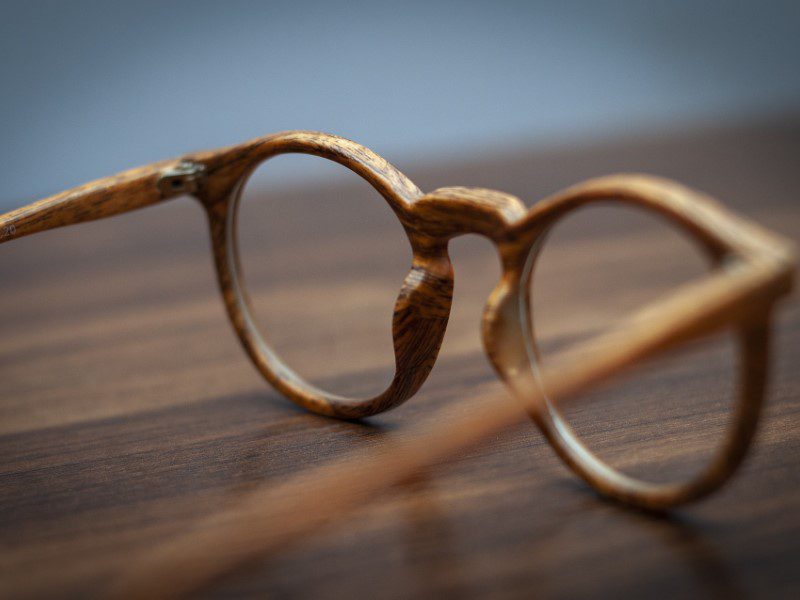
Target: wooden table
column 128, row 408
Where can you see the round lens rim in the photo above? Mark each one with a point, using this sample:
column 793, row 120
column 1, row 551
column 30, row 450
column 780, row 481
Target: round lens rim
column 609, row 481
column 417, row 334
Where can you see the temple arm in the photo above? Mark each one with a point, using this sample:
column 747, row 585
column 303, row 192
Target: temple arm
column 105, row 197
column 271, row 517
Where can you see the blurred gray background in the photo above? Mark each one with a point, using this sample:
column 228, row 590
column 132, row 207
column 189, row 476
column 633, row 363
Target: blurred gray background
column 91, row 88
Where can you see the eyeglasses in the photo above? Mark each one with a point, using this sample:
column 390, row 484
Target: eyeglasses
column 752, row 269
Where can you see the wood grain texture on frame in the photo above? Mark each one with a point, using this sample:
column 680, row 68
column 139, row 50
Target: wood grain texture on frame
column 753, row 269
column 129, row 415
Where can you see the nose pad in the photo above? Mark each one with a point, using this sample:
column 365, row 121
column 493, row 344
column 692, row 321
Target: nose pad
column 420, row 318
column 503, row 328
column 509, row 344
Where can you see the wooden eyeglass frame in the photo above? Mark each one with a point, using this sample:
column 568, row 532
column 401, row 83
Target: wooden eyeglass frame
column 753, row 269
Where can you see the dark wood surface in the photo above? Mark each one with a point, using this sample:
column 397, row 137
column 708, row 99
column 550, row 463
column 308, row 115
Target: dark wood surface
column 129, row 409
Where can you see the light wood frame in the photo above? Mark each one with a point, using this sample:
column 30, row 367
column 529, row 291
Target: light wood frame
column 752, row 269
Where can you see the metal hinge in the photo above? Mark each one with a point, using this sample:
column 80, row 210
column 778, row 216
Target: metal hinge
column 184, row 178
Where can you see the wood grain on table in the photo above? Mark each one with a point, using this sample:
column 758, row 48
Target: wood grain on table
column 128, row 408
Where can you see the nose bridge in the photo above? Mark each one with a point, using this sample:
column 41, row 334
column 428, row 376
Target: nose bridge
column 451, row 211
